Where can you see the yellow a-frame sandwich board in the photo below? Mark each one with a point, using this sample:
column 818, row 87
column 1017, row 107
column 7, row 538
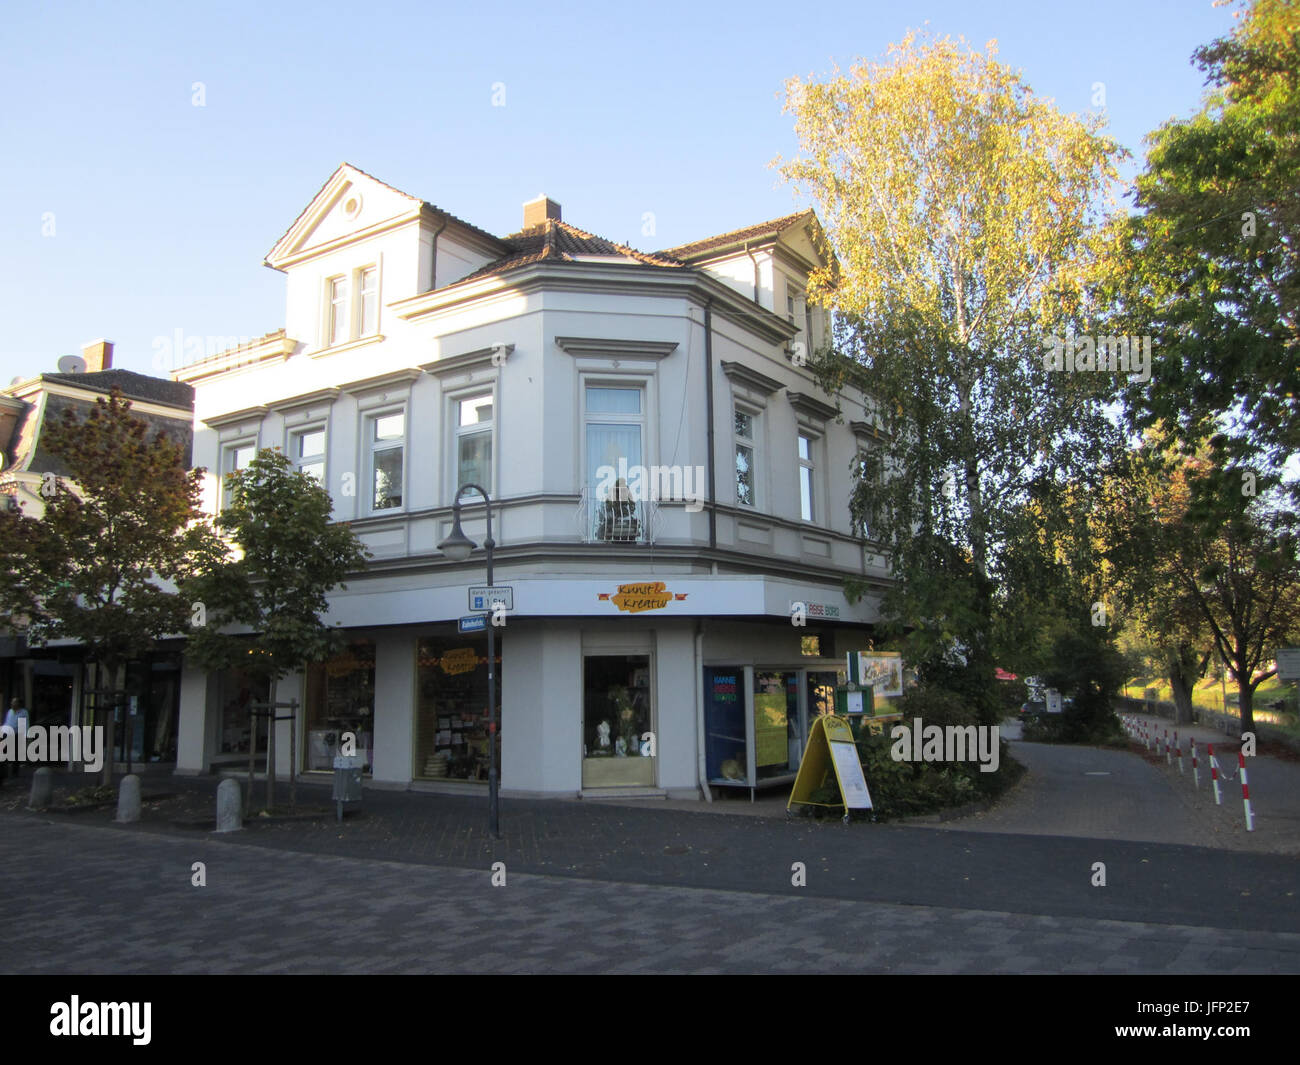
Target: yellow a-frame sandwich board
column 831, row 750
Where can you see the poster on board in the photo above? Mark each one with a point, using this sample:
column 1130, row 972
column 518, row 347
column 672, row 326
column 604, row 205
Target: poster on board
column 881, row 671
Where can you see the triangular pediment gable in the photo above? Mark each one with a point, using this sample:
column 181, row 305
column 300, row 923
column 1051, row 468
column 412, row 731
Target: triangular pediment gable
column 349, row 204
column 806, row 239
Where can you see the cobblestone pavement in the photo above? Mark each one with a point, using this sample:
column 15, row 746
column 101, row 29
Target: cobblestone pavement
column 118, row 901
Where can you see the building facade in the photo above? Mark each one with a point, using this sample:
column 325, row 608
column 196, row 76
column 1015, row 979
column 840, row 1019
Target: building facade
column 669, row 498
column 53, row 681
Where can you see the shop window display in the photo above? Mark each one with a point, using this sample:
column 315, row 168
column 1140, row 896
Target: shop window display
column 452, row 712
column 776, row 723
column 237, row 691
column 340, row 697
column 724, row 722
column 616, row 719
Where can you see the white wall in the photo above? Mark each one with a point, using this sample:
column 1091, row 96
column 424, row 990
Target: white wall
column 541, row 709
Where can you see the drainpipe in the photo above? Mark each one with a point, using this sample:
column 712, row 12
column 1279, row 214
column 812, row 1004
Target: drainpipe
column 702, row 768
column 708, row 399
column 755, row 262
column 433, row 279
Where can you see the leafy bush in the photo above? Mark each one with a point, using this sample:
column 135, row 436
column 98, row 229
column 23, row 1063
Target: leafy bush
column 936, row 706
column 900, row 788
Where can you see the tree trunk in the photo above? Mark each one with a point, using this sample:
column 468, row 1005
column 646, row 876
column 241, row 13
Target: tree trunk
column 1246, row 696
column 1182, row 679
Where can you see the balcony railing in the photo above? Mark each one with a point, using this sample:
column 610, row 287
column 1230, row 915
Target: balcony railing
column 611, row 521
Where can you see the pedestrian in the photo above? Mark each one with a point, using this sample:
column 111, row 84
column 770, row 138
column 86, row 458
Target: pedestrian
column 16, row 719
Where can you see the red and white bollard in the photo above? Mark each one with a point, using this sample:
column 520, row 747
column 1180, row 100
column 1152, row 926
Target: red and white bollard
column 1245, row 792
column 1196, row 773
column 1168, row 758
column 1179, row 747
column 1214, row 777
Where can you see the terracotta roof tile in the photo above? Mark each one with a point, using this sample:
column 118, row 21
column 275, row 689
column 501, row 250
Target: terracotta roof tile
column 699, row 248
column 554, row 241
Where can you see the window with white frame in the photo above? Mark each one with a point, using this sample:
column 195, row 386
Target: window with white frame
column 386, row 450
column 795, row 305
column 615, row 420
column 474, row 423
column 746, row 485
column 337, row 325
column 807, row 477
column 234, row 457
column 368, row 287
column 307, row 450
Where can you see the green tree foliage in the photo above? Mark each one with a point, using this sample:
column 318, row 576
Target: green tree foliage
column 263, row 597
column 101, row 566
column 1210, row 266
column 965, row 215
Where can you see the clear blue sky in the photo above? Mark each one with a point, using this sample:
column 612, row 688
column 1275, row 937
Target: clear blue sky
column 163, row 211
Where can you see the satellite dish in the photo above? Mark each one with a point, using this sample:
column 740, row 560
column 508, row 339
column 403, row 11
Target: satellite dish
column 72, row 364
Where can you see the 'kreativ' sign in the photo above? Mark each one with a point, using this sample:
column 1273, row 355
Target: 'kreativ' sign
column 643, row 595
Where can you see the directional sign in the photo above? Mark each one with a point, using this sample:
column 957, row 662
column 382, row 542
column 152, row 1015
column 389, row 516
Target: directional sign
column 1288, row 663
column 473, row 623
column 482, row 597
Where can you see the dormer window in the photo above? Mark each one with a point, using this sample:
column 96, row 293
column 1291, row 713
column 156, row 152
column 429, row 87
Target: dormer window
column 352, row 319
column 369, row 287
column 795, row 305
column 338, row 319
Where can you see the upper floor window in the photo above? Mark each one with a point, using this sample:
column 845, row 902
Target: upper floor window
column 614, row 426
column 807, row 476
column 386, row 434
column 348, row 319
column 234, row 457
column 307, row 451
column 338, row 316
column 474, row 441
column 795, row 304
column 746, row 494
column 369, row 288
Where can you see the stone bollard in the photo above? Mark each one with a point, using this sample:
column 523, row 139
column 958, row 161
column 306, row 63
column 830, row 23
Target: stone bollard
column 128, row 800
column 230, row 803
column 42, row 788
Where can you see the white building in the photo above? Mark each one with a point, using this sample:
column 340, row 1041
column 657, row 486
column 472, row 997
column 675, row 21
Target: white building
column 421, row 353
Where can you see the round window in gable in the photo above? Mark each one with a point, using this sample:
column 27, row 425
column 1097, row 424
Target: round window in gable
column 352, row 205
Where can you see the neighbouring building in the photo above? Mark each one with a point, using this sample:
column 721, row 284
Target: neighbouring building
column 52, row 680
column 669, row 486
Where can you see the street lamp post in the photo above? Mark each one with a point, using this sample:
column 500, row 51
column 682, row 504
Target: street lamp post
column 457, row 547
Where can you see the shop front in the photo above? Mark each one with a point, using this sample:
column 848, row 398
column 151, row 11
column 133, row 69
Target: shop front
column 618, row 744
column 757, row 721
column 451, row 713
column 339, row 698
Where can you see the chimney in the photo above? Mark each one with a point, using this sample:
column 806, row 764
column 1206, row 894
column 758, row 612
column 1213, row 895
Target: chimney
column 98, row 355
column 539, row 210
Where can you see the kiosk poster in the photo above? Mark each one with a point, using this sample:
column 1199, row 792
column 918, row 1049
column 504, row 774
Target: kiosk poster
column 879, row 670
column 770, row 746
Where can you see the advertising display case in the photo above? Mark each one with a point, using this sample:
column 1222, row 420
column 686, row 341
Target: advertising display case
column 756, row 722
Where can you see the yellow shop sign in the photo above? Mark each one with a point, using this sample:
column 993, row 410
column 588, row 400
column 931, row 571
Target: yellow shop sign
column 644, row 595
column 459, row 660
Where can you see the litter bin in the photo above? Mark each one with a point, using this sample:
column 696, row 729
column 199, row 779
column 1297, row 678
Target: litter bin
column 347, row 781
